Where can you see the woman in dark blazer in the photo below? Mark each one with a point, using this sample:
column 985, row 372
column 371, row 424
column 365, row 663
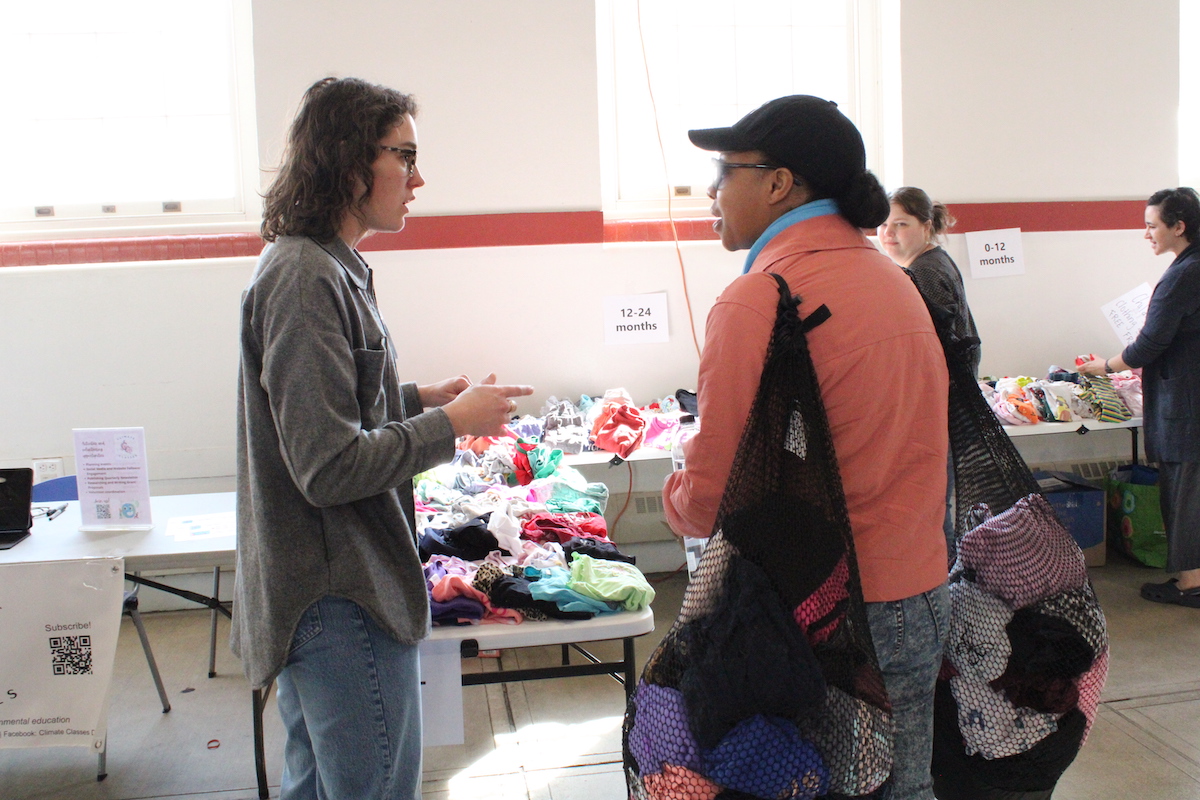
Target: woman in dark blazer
column 1168, row 350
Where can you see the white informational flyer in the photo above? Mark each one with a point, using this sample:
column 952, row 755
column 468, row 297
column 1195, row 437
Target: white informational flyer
column 441, row 692
column 114, row 482
column 1127, row 313
column 994, row 254
column 59, row 622
column 636, row 319
column 202, row 526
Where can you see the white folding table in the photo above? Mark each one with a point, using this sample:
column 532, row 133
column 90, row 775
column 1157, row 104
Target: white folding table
column 1079, row 426
column 570, row 634
column 60, row 539
column 154, row 549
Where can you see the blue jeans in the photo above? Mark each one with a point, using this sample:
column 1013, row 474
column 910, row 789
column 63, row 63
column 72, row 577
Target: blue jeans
column 908, row 635
column 350, row 701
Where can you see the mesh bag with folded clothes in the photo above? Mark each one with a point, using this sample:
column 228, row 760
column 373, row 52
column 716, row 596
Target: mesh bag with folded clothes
column 1027, row 651
column 767, row 685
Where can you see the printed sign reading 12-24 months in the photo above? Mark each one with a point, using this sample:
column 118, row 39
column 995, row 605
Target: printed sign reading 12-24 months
column 636, row 319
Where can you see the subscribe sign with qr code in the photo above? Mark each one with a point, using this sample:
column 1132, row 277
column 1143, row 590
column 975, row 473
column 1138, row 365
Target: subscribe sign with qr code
column 59, row 622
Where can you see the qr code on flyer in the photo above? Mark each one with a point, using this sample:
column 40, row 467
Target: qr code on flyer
column 71, row 655
column 103, row 511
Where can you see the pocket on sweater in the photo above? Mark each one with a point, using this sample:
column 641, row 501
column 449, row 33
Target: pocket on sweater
column 371, row 366
column 1176, row 401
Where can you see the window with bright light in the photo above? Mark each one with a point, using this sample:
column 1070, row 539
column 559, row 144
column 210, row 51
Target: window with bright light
column 1189, row 89
column 667, row 66
column 126, row 112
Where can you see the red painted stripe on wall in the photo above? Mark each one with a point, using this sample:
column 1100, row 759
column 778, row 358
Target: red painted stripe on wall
column 492, row 230
column 142, row 248
column 1089, row 215
column 564, row 227
column 691, row 229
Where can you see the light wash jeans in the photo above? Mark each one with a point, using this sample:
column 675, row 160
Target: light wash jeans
column 908, row 635
column 350, row 701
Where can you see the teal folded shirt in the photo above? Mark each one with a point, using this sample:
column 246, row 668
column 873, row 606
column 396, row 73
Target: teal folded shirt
column 552, row 584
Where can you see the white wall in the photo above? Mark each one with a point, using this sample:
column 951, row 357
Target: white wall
column 1051, row 314
column 508, row 111
column 509, row 123
column 1034, row 100
column 151, row 344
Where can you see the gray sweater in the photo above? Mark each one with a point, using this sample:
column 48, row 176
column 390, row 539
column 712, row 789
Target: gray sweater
column 328, row 440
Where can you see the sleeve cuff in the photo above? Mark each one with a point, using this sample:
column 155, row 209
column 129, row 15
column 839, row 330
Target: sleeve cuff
column 412, row 399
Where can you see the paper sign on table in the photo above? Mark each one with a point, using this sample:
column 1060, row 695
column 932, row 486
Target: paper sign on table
column 994, row 254
column 441, row 692
column 636, row 319
column 114, row 483
column 59, row 622
column 202, row 526
column 1127, row 313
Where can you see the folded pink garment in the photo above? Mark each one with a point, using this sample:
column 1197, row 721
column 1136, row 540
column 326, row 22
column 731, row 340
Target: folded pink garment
column 455, row 586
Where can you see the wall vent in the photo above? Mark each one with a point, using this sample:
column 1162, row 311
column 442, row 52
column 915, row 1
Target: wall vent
column 1095, row 470
column 647, row 504
column 1092, row 470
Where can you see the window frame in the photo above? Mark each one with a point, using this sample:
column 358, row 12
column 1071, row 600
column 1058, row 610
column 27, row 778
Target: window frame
column 872, row 53
column 247, row 217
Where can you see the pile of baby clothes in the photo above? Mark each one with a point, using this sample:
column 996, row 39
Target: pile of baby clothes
column 613, row 423
column 1026, row 657
column 1064, row 396
column 509, row 534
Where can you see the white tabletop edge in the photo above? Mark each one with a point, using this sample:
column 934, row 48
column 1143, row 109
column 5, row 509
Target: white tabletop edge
column 532, row 634
column 1070, row 427
column 61, row 538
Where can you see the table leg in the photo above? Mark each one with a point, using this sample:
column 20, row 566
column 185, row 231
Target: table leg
column 630, row 679
column 258, row 700
column 1134, row 432
column 212, row 636
column 566, row 655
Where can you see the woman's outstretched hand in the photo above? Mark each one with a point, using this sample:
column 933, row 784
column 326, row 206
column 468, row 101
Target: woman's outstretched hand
column 484, row 408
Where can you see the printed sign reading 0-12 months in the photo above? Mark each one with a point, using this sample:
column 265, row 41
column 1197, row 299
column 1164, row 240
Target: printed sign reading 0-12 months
column 636, row 319
column 994, row 254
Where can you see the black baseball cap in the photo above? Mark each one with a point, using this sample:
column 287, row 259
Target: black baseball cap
column 806, row 134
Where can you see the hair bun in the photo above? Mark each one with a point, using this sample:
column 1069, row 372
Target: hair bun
column 864, row 203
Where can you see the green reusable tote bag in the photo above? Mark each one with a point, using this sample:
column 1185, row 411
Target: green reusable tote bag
column 1135, row 520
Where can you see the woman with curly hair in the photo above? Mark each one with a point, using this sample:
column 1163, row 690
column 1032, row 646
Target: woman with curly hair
column 330, row 598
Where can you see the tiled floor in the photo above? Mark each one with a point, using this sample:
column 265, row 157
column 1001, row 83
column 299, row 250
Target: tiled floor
column 560, row 739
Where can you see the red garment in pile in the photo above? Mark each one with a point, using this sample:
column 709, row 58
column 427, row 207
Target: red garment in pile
column 549, row 527
column 521, row 463
column 619, row 428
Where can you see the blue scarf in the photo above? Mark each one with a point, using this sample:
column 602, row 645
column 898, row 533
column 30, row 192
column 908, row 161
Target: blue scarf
column 817, row 208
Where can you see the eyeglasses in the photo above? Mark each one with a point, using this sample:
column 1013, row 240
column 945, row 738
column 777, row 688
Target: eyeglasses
column 724, row 166
column 47, row 511
column 409, row 156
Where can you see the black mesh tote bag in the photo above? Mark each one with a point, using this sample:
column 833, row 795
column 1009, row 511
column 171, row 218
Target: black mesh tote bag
column 1027, row 650
column 767, row 685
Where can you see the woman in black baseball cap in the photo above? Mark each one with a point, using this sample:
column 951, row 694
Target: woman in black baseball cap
column 793, row 189
column 817, row 143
